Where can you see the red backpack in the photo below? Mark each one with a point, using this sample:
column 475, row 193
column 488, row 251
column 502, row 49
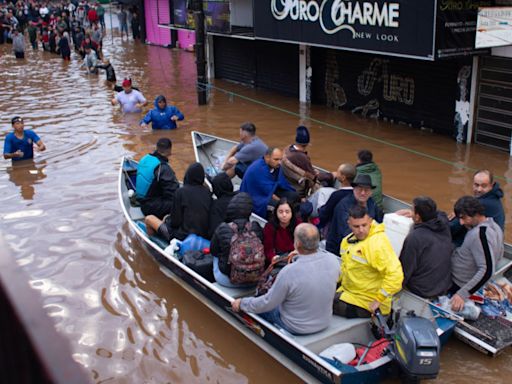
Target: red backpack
column 246, row 256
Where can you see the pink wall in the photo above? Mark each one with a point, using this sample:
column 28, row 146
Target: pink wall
column 157, row 11
column 186, row 39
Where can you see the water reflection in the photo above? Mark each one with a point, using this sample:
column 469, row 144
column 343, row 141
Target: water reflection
column 25, row 174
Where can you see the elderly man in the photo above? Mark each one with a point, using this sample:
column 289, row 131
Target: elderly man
column 250, row 148
column 265, row 182
column 362, row 196
column 427, row 251
column 366, row 166
column 474, row 262
column 156, row 183
column 300, row 300
column 19, row 145
column 130, row 99
column 370, row 270
column 489, row 193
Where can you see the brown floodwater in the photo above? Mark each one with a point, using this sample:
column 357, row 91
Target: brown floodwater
column 125, row 320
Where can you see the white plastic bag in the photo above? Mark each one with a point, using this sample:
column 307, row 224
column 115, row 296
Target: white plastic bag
column 344, row 352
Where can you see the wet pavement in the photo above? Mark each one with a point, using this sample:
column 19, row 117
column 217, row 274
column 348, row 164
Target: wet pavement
column 127, row 322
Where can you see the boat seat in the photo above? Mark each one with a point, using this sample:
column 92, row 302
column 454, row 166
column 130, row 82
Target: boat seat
column 136, row 213
column 337, row 325
column 503, row 264
column 236, row 292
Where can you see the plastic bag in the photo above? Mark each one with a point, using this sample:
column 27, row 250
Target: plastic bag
column 470, row 311
column 344, row 353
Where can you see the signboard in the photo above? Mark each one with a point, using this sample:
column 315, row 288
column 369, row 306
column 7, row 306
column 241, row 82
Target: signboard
column 183, row 17
column 399, row 27
column 456, row 28
column 494, row 27
column 217, row 15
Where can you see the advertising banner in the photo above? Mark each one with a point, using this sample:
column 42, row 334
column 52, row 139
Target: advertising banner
column 494, row 27
column 456, row 28
column 399, row 27
column 183, row 17
column 217, row 15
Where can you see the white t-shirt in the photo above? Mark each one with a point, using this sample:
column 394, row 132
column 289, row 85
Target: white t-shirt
column 128, row 101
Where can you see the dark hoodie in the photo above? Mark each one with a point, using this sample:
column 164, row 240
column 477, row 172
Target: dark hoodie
column 223, row 190
column 238, row 211
column 426, row 256
column 191, row 207
column 493, row 208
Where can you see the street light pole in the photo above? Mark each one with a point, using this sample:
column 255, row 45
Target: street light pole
column 197, row 7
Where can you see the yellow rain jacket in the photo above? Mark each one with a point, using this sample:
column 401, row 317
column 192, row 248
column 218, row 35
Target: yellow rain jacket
column 370, row 270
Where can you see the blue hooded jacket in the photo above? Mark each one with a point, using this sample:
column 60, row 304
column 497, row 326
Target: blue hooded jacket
column 161, row 118
column 260, row 184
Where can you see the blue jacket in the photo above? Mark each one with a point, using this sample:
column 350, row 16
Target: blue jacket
column 261, row 185
column 161, row 118
column 493, row 208
column 339, row 227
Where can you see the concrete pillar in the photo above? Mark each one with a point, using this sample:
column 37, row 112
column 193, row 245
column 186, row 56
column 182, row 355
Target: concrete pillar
column 305, row 73
column 210, row 58
column 472, row 99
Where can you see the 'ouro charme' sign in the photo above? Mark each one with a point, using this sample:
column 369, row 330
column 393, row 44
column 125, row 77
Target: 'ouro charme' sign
column 400, row 27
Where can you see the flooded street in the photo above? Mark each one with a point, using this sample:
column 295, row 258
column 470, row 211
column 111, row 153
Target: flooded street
column 126, row 321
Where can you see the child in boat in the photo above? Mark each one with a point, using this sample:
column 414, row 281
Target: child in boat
column 278, row 232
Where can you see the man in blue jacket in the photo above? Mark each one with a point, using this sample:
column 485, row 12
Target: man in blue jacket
column 163, row 116
column 489, row 193
column 156, row 182
column 264, row 180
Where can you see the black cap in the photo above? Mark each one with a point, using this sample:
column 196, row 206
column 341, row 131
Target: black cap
column 16, row 119
column 164, row 144
column 363, row 181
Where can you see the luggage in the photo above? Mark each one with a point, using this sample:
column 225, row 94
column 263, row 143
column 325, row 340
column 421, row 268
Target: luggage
column 246, row 255
column 200, row 262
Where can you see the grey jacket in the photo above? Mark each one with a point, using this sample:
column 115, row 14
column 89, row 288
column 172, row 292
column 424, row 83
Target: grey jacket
column 303, row 291
column 474, row 262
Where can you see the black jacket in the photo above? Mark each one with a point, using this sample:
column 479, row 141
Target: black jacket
column 191, row 208
column 223, row 189
column 426, row 256
column 239, row 211
column 160, row 197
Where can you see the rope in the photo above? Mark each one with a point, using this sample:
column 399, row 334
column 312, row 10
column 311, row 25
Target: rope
column 232, row 94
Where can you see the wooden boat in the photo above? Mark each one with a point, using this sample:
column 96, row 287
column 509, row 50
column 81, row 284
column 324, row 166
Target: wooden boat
column 485, row 336
column 299, row 354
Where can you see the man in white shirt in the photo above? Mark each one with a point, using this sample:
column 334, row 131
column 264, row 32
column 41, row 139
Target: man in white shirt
column 130, row 100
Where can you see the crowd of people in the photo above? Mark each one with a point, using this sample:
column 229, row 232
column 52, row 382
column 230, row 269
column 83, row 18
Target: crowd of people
column 59, row 26
column 358, row 272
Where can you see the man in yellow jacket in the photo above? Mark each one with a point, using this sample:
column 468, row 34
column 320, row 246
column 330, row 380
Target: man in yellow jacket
column 371, row 272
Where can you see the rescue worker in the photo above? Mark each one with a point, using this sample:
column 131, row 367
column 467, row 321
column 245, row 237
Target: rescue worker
column 370, row 270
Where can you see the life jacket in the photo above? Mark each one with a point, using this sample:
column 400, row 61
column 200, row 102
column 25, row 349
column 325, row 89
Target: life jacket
column 146, row 174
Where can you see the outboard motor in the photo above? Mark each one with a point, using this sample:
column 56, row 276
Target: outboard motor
column 414, row 344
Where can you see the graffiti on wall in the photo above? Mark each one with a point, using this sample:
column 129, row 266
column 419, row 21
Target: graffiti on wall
column 462, row 104
column 334, row 92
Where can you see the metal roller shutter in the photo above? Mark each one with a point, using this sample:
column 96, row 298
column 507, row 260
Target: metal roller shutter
column 414, row 92
column 235, row 60
column 494, row 111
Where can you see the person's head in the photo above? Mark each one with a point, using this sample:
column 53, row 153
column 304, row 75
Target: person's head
column 424, row 209
column 470, row 211
column 17, row 123
column 302, row 136
column 161, row 102
column 239, row 207
column 364, row 156
column 363, row 186
column 359, row 222
column 222, row 185
column 88, row 49
column 194, row 174
column 247, row 132
column 346, row 174
column 284, row 214
column 483, row 181
column 164, row 146
column 306, row 238
column 127, row 85
column 273, row 157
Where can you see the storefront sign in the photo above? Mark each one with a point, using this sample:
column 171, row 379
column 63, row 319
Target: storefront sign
column 494, row 27
column 217, row 15
column 400, row 27
column 456, row 27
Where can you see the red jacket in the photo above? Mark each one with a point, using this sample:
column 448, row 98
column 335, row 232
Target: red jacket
column 92, row 15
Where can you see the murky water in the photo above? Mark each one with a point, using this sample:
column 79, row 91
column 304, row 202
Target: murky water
column 126, row 321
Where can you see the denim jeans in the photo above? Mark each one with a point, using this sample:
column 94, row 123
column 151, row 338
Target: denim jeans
column 274, row 316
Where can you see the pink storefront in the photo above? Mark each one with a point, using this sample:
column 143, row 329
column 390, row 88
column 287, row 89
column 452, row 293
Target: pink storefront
column 157, row 12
